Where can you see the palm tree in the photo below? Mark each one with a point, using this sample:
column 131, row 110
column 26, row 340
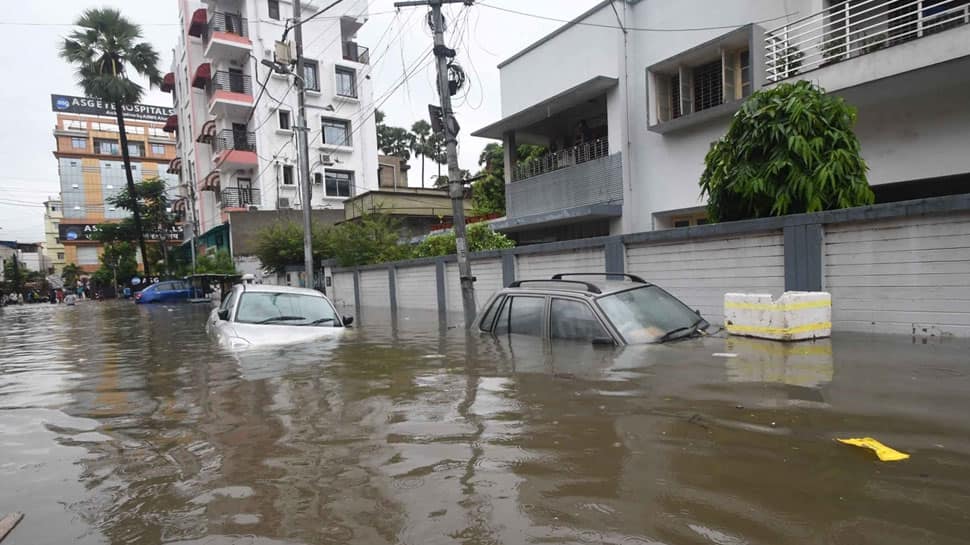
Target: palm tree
column 420, row 143
column 103, row 49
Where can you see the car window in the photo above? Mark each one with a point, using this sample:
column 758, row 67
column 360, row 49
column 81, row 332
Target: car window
column 228, row 301
column 285, row 309
column 521, row 316
column 489, row 318
column 178, row 285
column 645, row 314
column 573, row 320
column 164, row 286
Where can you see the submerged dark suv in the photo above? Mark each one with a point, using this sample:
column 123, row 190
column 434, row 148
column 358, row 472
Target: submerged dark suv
column 612, row 309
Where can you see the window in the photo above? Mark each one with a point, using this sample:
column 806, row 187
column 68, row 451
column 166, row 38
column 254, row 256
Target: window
column 317, row 178
column 521, row 316
column 336, row 132
column 573, row 320
column 346, row 82
column 489, row 318
column 228, row 302
column 744, row 61
column 158, row 149
column 87, row 255
column 60, row 256
column 288, row 175
column 274, row 9
column 108, row 147
column 79, row 143
column 707, row 86
column 339, row 184
column 285, row 308
column 284, row 116
column 311, row 74
column 136, row 149
column 74, row 125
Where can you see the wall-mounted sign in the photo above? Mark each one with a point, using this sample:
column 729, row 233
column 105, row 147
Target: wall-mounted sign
column 93, row 106
column 86, row 232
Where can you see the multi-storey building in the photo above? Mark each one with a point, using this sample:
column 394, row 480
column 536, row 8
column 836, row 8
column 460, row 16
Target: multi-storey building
column 235, row 118
column 650, row 85
column 91, row 170
column 53, row 247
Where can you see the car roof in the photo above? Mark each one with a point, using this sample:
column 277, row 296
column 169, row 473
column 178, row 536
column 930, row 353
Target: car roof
column 270, row 288
column 588, row 287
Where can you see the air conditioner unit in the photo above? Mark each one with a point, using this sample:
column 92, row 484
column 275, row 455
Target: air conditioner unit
column 326, row 159
column 283, row 203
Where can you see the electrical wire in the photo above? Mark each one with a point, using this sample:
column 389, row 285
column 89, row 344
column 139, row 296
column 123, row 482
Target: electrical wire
column 599, row 25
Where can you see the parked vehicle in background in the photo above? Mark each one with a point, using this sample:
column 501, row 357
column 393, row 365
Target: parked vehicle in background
column 606, row 311
column 164, row 292
column 260, row 315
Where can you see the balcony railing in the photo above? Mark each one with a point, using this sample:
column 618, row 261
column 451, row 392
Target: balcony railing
column 230, row 23
column 239, row 197
column 228, row 139
column 587, row 151
column 230, row 81
column 356, row 53
column 851, row 29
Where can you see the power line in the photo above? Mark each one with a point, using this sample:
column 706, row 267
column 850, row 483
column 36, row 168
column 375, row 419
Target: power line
column 639, row 29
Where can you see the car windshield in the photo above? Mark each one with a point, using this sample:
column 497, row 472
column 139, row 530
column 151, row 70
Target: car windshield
column 647, row 314
column 285, row 309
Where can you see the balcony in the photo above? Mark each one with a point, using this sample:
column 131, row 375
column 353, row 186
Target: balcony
column 230, row 94
column 226, row 37
column 239, row 198
column 566, row 158
column 356, row 53
column 887, row 37
column 233, row 150
column 581, row 183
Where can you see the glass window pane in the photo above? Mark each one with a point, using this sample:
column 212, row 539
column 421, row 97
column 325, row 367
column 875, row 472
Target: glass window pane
column 573, row 320
column 489, row 318
column 310, row 74
column 525, row 316
column 645, row 314
column 346, row 82
column 285, row 309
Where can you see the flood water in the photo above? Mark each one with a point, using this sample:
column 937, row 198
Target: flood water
column 124, row 424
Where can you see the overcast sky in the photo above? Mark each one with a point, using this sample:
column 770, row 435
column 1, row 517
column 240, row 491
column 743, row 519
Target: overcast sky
column 31, row 35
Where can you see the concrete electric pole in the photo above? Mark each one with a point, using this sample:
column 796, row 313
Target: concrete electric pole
column 303, row 145
column 456, row 187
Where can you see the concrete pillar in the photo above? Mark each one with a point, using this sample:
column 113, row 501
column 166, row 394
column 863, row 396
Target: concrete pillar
column 439, row 276
column 511, row 154
column 508, row 268
column 803, row 257
column 392, row 288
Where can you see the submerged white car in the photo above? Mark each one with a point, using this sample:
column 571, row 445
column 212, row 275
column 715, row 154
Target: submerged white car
column 261, row 315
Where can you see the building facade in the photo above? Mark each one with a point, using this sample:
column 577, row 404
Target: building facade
column 92, row 172
column 53, row 247
column 650, row 86
column 235, row 118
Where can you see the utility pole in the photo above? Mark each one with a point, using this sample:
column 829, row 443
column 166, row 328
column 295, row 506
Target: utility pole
column 456, row 189
column 302, row 137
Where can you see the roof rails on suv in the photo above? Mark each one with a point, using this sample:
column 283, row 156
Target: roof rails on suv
column 632, row 277
column 589, row 287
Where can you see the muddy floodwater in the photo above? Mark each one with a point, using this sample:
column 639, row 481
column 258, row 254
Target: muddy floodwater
column 124, row 424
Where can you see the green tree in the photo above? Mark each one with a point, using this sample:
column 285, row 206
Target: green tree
column 281, row 245
column 117, row 264
column 422, row 145
column 790, row 149
column 103, row 49
column 14, row 275
column 70, row 274
column 488, row 193
column 393, row 141
column 151, row 198
column 218, row 263
column 480, row 238
column 371, row 238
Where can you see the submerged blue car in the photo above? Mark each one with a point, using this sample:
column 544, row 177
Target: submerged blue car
column 164, row 292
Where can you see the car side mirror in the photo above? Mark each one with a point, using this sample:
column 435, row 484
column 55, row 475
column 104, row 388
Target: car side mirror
column 603, row 341
column 224, row 314
column 348, row 320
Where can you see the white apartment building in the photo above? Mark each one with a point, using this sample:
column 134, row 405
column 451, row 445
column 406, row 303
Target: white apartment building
column 232, row 158
column 629, row 114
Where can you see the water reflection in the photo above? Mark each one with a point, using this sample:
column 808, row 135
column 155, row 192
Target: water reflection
column 124, row 424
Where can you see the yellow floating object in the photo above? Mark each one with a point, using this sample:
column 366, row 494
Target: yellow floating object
column 884, row 453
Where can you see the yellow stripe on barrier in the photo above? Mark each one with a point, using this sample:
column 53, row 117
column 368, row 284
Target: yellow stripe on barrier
column 775, row 306
column 778, row 330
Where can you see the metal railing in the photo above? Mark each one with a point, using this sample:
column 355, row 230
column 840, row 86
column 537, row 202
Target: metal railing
column 228, row 139
column 854, row 28
column 587, row 151
column 230, row 81
column 239, row 197
column 230, row 23
column 356, row 53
